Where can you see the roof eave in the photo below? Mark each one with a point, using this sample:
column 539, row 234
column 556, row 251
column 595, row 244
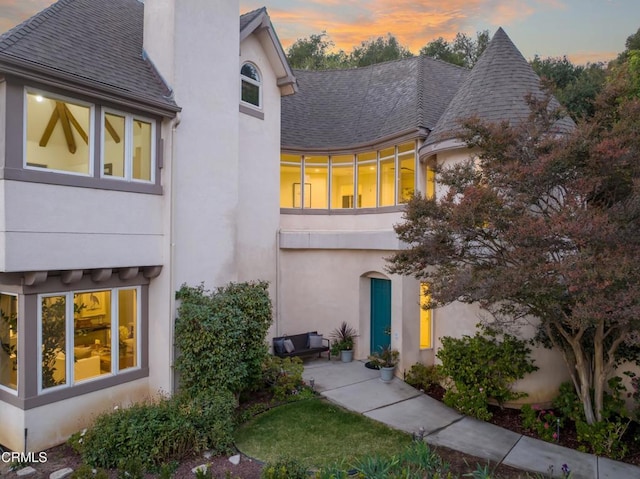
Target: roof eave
column 53, row 77
column 400, row 137
column 261, row 25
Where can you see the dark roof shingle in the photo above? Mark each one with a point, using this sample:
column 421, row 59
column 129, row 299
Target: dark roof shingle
column 336, row 109
column 494, row 91
column 94, row 42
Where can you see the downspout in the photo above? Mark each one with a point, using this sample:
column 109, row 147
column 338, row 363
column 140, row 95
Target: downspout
column 277, row 285
column 172, row 297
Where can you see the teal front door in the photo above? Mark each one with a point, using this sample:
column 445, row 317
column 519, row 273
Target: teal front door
column 380, row 314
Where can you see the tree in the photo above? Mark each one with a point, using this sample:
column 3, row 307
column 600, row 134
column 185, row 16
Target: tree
column 575, row 86
column 543, row 228
column 313, row 53
column 377, row 51
column 463, row 51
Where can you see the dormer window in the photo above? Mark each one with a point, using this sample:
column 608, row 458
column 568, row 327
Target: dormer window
column 251, row 84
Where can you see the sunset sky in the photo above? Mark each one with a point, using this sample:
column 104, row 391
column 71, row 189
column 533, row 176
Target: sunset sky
column 584, row 30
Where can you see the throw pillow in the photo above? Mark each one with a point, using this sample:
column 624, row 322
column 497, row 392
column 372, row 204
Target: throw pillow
column 315, row 340
column 288, row 346
column 278, row 345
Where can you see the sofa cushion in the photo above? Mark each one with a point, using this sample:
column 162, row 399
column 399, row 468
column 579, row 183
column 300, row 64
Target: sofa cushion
column 288, row 346
column 315, row 340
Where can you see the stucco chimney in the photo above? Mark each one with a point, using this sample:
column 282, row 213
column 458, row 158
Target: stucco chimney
column 159, row 35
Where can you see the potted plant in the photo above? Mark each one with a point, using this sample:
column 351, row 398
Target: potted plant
column 386, row 361
column 343, row 339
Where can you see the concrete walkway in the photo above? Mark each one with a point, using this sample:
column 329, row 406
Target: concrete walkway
column 400, row 406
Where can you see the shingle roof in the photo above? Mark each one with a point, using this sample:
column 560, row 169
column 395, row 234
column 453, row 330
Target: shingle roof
column 494, row 91
column 96, row 43
column 247, row 18
column 345, row 108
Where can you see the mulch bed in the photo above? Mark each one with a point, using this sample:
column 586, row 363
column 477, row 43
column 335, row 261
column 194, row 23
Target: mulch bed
column 511, row 419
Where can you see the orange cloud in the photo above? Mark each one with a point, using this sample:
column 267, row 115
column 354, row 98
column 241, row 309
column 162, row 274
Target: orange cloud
column 413, row 22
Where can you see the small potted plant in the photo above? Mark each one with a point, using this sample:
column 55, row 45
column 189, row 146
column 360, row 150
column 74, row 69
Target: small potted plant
column 343, row 339
column 386, row 361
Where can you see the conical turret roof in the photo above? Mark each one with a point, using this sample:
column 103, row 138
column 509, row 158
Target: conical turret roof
column 494, row 91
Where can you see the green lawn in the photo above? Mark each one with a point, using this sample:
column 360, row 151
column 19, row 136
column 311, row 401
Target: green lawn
column 317, row 433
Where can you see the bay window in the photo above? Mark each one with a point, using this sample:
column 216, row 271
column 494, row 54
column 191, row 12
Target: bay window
column 86, row 335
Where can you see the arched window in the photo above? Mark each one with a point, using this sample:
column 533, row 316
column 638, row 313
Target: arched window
column 250, row 85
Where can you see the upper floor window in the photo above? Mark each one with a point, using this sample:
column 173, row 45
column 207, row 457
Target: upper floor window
column 251, row 84
column 127, row 147
column 57, row 134
column 87, row 142
column 368, row 179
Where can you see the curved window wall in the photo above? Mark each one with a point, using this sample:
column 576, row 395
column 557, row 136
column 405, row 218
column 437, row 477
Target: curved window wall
column 368, row 179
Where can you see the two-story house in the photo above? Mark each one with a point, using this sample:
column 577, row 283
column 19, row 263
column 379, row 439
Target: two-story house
column 139, row 150
column 143, row 146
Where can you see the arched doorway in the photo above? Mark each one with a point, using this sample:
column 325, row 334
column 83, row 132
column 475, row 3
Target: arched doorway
column 380, row 313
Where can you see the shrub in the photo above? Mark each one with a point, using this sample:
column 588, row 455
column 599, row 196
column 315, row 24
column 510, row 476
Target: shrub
column 423, row 377
column 284, row 468
column 543, row 422
column 482, row 368
column 221, row 337
column 149, row 434
column 284, row 376
column 87, row 472
column 567, row 403
column 604, row 438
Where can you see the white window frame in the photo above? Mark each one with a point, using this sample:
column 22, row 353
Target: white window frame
column 251, row 81
column 69, row 339
column 90, row 133
column 129, row 120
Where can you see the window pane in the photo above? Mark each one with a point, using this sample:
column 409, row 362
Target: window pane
column 406, row 178
column 127, row 328
column 141, row 150
column 387, row 182
column 249, row 71
column 289, row 176
column 367, row 181
column 58, row 134
column 431, row 183
column 316, row 177
column 342, row 181
column 425, row 317
column 54, row 364
column 250, row 93
column 114, row 152
column 92, row 334
column 9, row 341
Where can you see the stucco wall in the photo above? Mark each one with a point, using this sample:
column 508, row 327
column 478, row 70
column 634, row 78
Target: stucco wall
column 76, row 228
column 206, row 143
column 259, row 175
column 52, row 424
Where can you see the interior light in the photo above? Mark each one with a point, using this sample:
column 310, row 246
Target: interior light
column 39, row 98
